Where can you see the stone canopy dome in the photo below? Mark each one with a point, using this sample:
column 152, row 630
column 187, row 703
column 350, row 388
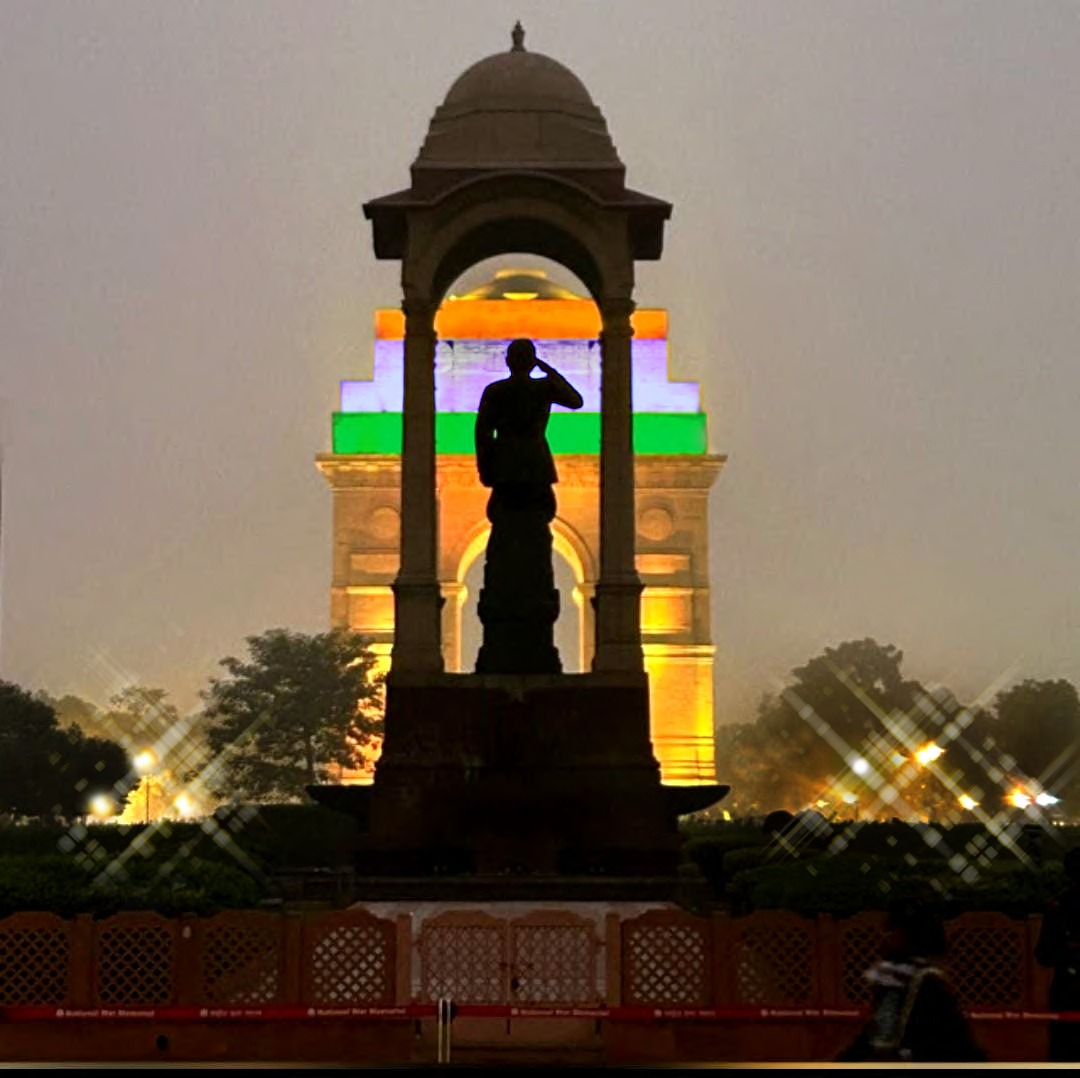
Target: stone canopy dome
column 518, row 108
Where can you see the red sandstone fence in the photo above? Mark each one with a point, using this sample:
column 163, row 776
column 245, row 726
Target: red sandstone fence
column 549, row 958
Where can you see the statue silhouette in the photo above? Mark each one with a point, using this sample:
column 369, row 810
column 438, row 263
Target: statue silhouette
column 519, row 603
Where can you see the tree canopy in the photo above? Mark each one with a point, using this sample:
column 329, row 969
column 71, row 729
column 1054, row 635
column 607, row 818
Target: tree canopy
column 852, row 734
column 297, row 707
column 51, row 771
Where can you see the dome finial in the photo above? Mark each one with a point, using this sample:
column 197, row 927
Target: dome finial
column 517, row 36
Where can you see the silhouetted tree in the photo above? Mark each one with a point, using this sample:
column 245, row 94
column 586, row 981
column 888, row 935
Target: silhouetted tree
column 49, row 771
column 850, row 722
column 1038, row 724
column 299, row 705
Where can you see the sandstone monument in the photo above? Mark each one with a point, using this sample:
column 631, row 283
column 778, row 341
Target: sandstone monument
column 506, row 782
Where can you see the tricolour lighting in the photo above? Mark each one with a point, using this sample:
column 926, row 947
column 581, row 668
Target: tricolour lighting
column 464, row 368
column 567, row 433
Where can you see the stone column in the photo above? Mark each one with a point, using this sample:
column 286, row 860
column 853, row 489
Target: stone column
column 417, row 598
column 618, row 591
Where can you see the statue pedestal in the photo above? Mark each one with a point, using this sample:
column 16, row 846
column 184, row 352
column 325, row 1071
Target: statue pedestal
column 492, row 786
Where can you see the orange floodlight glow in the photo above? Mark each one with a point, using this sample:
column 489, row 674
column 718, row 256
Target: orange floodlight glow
column 929, row 753
column 503, row 320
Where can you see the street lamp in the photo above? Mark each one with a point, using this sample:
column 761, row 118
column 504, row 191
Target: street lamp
column 144, row 764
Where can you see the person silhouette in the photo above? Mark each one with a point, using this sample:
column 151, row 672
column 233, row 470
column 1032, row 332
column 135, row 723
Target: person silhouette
column 519, row 603
column 916, row 1015
column 1059, row 949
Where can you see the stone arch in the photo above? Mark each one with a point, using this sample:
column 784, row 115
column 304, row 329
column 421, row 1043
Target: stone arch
column 534, row 214
column 567, row 541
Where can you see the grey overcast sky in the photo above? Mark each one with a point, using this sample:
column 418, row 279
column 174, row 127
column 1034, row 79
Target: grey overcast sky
column 873, row 268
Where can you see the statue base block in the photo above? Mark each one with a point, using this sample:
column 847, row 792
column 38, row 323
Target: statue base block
column 523, row 784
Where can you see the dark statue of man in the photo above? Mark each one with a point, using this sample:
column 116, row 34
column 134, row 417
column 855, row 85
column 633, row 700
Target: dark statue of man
column 519, row 603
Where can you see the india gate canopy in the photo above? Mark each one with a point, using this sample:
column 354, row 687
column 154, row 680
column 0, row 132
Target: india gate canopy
column 520, row 112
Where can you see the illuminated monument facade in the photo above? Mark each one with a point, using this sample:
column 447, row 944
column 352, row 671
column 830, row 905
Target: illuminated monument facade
column 673, row 474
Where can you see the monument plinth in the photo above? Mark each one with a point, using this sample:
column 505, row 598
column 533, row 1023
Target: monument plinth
column 518, row 780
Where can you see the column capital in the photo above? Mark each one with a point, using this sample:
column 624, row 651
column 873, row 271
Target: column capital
column 419, row 314
column 615, row 312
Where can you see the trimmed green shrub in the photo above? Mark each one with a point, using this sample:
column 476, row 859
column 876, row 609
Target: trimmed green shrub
column 843, row 886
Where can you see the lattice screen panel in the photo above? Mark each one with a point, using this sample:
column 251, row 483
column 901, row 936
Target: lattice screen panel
column 773, row 965
column 135, row 964
column 987, row 967
column 34, row 965
column 860, row 948
column 352, row 964
column 666, row 965
column 464, row 962
column 553, row 964
column 240, row 962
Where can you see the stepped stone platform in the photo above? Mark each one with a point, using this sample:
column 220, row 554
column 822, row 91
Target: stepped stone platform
column 497, row 786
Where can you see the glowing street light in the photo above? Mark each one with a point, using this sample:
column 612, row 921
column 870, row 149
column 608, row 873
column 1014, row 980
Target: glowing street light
column 929, row 753
column 102, row 806
column 144, row 764
column 1046, row 799
column 849, row 799
column 967, row 802
column 184, row 805
column 1019, row 799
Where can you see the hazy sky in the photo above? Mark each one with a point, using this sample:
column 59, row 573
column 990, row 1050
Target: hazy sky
column 873, row 268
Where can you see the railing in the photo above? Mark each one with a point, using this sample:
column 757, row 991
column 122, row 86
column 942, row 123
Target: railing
column 663, row 958
column 601, row 970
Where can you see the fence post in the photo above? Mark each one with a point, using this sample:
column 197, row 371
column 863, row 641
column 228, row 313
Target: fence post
column 82, row 958
column 1038, row 978
column 444, row 1025
column 292, row 942
column 403, row 959
column 723, row 973
column 828, row 960
column 613, row 970
column 188, row 966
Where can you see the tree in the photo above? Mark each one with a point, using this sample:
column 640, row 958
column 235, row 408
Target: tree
column 300, row 705
column 49, row 771
column 846, row 729
column 151, row 723
column 1038, row 724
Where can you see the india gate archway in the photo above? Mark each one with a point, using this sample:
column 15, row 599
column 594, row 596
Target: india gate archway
column 673, row 474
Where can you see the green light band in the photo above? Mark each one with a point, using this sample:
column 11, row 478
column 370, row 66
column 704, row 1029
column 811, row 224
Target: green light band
column 666, row 433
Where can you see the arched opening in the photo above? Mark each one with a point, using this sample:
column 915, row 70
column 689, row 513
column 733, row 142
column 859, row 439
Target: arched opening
column 535, row 236
column 492, row 302
column 571, row 578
